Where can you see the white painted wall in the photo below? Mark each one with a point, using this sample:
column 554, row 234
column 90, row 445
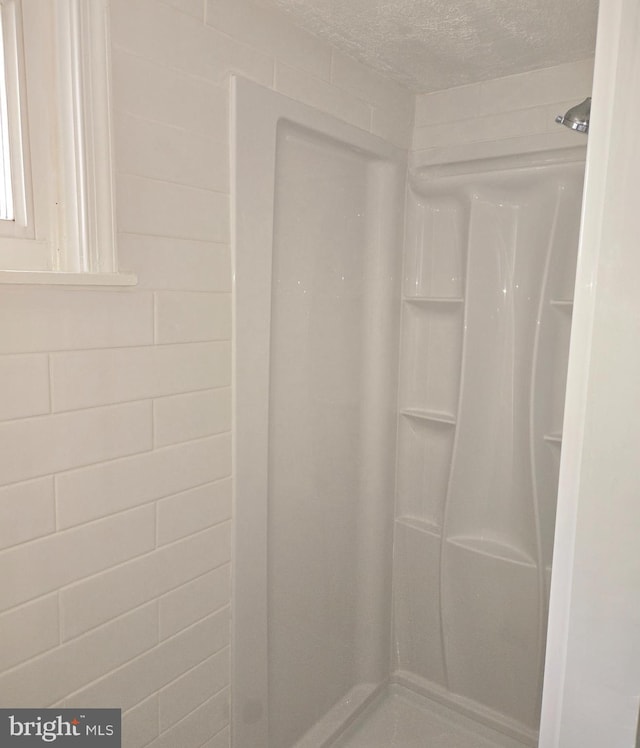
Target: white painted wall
column 114, row 440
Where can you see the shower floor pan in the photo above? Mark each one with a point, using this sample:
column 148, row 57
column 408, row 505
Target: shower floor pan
column 401, row 718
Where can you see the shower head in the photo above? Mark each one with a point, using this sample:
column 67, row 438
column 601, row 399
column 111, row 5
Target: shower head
column 577, row 118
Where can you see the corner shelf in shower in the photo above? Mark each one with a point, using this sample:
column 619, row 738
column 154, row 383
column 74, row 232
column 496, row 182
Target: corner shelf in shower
column 553, row 438
column 422, row 525
column 562, row 304
column 433, row 300
column 433, row 416
column 493, row 548
column 431, row 350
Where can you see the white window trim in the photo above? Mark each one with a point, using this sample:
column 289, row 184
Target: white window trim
column 23, row 226
column 5, row 168
column 76, row 235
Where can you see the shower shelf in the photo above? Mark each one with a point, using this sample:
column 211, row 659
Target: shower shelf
column 433, row 300
column 422, row 525
column 494, row 548
column 434, row 416
column 566, row 304
column 553, row 438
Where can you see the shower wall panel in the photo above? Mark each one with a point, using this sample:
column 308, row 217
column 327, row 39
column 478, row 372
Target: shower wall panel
column 318, row 291
column 490, row 257
column 316, row 410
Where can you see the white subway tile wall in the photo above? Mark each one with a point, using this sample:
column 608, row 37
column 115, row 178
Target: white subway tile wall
column 194, row 600
column 190, row 690
column 514, row 114
column 115, row 444
column 157, row 666
column 27, row 511
column 140, row 724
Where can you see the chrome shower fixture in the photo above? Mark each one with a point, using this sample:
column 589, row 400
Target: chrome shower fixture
column 577, row 118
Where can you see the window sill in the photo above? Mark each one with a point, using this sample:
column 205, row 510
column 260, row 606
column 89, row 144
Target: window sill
column 52, row 278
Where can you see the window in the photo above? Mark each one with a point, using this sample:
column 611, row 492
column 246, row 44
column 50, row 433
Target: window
column 6, row 190
column 56, row 184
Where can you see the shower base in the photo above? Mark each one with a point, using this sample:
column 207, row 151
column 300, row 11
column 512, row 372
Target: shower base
column 401, row 718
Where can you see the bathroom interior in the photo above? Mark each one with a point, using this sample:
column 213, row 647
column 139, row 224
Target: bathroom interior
column 295, row 484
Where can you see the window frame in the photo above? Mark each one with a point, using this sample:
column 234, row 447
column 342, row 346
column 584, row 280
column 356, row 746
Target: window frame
column 58, row 81
column 22, row 226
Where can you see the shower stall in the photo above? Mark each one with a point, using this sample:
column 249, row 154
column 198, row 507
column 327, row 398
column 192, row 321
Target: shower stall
column 401, row 345
column 489, row 267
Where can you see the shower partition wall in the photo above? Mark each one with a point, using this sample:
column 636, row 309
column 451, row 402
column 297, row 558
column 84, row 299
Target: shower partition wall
column 319, row 208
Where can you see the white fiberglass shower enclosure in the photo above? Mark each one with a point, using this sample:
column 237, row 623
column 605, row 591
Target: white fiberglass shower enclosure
column 400, row 362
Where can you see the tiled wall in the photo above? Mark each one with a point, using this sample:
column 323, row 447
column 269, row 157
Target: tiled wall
column 115, row 440
column 510, row 115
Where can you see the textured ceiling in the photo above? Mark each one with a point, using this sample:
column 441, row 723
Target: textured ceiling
column 429, row 45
